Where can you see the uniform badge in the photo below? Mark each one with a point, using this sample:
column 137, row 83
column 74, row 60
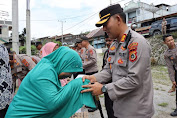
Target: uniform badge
column 113, row 48
column 25, row 62
column 17, row 64
column 81, row 51
column 91, row 52
column 133, row 56
column 123, row 38
column 109, row 59
column 34, row 60
column 123, row 48
column 120, row 61
column 133, row 46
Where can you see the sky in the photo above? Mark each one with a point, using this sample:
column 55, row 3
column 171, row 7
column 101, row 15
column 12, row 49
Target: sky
column 77, row 15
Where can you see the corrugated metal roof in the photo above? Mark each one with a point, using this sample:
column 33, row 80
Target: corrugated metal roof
column 96, row 33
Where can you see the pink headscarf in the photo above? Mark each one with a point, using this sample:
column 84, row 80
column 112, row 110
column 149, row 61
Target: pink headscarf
column 46, row 50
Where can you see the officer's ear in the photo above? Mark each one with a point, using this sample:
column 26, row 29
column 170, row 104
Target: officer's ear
column 118, row 18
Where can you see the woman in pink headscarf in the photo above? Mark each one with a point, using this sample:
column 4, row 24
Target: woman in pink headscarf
column 49, row 48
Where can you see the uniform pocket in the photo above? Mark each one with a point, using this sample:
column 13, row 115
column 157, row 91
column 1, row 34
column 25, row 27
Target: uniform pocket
column 121, row 66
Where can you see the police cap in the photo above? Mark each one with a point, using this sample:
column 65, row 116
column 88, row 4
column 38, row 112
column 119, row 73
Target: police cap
column 84, row 38
column 78, row 41
column 106, row 13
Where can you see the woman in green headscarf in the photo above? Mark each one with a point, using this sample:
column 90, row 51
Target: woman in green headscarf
column 41, row 94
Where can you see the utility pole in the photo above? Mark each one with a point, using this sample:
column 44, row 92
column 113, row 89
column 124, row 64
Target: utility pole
column 110, row 2
column 15, row 35
column 61, row 31
column 28, row 29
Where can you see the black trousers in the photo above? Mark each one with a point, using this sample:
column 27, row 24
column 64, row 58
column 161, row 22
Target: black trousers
column 3, row 112
column 176, row 86
column 109, row 106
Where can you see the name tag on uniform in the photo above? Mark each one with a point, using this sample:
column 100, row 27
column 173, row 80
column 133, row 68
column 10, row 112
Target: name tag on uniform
column 122, row 54
column 111, row 53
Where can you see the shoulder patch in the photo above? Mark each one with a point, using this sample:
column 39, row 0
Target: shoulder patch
column 82, row 51
column 91, row 51
column 25, row 62
column 34, row 60
column 133, row 46
column 133, row 56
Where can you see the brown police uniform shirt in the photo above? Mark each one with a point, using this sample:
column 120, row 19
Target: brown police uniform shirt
column 130, row 69
column 90, row 60
column 170, row 57
column 22, row 65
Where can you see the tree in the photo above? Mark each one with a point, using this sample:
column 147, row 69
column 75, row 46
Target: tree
column 22, row 36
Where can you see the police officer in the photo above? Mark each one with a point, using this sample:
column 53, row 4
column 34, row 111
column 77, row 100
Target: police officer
column 39, row 48
column 108, row 101
column 128, row 65
column 22, row 65
column 79, row 50
column 78, row 47
column 90, row 57
column 170, row 57
column 164, row 27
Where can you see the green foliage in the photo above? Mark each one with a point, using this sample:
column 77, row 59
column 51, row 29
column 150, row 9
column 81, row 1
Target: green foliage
column 164, row 104
column 22, row 50
column 58, row 42
column 33, row 50
column 174, row 35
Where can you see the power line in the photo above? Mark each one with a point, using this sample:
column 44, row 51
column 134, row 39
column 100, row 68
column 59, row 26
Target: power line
column 81, row 21
column 57, row 19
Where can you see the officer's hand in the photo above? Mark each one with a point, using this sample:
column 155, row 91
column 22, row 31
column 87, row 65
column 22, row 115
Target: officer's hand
column 174, row 83
column 94, row 88
column 91, row 78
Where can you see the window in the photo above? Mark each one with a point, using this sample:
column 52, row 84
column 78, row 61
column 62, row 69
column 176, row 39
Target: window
column 173, row 21
column 138, row 12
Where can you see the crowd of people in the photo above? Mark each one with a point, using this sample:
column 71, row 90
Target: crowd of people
column 125, row 78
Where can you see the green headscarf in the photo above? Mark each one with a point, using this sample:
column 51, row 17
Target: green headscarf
column 68, row 61
column 41, row 94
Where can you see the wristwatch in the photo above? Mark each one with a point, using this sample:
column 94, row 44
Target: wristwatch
column 104, row 89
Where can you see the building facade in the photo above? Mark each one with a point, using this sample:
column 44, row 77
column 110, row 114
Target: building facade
column 139, row 11
column 5, row 28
